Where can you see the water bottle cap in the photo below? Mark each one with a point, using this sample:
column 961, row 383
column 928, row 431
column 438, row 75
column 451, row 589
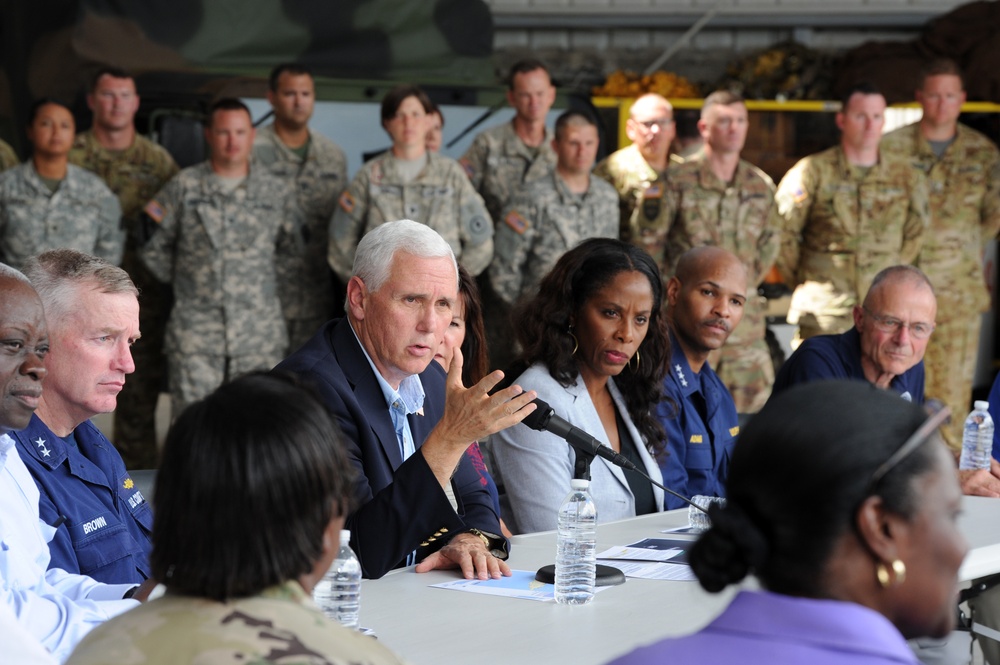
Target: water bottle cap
column 345, row 536
column 982, row 405
column 579, row 484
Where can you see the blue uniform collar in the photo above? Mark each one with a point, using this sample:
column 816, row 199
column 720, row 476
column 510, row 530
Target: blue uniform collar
column 46, row 447
column 687, row 379
column 51, row 451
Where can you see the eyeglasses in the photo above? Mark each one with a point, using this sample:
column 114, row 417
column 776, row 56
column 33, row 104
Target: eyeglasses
column 662, row 123
column 890, row 324
column 916, row 439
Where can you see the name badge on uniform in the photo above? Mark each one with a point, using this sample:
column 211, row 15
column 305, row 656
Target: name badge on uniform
column 90, row 527
column 696, row 438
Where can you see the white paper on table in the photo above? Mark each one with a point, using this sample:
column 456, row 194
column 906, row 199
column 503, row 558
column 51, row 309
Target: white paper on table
column 521, row 584
column 639, row 553
column 653, row 570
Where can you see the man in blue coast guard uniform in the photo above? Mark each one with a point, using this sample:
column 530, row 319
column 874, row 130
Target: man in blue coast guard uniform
column 102, row 522
column 41, row 609
column 706, row 298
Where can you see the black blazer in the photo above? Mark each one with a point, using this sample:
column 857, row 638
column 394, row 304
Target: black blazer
column 400, row 506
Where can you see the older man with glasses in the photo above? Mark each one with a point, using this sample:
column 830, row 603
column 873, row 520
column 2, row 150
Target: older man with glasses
column 886, row 348
column 886, row 345
column 639, row 173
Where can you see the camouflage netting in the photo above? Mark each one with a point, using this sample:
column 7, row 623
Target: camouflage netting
column 182, row 46
column 967, row 34
column 784, row 71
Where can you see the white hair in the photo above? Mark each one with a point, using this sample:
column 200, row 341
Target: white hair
column 376, row 250
column 57, row 273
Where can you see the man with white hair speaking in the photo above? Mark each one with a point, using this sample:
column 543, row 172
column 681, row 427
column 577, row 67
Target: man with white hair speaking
column 418, row 497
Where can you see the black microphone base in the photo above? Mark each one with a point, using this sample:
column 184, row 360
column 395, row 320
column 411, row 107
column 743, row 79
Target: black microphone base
column 606, row 575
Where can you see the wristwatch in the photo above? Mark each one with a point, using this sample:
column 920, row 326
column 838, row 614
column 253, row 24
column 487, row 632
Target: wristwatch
column 488, row 541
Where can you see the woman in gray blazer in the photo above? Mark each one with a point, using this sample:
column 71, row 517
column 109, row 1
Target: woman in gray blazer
column 595, row 348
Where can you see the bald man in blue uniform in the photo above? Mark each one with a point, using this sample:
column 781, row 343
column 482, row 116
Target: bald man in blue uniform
column 706, row 298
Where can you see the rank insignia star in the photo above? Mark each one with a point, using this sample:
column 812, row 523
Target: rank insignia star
column 40, row 442
column 680, row 375
column 128, row 484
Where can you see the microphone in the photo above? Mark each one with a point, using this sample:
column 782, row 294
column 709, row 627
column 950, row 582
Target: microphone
column 544, row 419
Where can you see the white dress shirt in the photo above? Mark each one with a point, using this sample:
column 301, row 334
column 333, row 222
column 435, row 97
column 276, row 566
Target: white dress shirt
column 55, row 607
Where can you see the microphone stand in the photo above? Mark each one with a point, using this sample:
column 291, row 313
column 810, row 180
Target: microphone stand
column 606, row 575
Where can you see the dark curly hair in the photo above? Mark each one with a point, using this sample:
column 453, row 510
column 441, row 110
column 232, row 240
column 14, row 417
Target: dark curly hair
column 542, row 324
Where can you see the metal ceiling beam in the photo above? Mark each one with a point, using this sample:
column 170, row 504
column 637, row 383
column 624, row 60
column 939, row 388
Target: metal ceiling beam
column 620, row 19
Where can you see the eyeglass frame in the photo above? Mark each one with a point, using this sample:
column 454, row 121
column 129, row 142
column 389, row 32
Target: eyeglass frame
column 885, row 324
column 918, row 438
column 662, row 123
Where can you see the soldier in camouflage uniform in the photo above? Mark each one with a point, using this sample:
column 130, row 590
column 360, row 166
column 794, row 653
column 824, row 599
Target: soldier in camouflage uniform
column 724, row 201
column 47, row 203
column 639, row 173
column 241, row 550
column 551, row 215
column 963, row 172
column 8, row 158
column 279, row 626
column 135, row 169
column 503, row 158
column 317, row 169
column 499, row 162
column 407, row 182
column 216, row 228
column 844, row 214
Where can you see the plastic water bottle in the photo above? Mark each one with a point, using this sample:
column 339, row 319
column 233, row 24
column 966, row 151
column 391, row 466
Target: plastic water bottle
column 338, row 594
column 977, row 438
column 576, row 547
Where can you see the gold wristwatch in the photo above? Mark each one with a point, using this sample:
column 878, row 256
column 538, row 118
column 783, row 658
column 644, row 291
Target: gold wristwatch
column 498, row 552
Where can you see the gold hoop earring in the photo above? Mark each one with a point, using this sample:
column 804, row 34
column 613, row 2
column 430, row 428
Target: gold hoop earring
column 576, row 344
column 882, row 574
column 899, row 568
column 638, row 359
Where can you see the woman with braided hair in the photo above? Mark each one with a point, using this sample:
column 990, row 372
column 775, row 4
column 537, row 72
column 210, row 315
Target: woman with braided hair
column 842, row 501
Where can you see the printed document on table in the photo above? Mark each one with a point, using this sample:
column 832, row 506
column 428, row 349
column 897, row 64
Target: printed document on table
column 652, row 570
column 651, row 549
column 521, row 584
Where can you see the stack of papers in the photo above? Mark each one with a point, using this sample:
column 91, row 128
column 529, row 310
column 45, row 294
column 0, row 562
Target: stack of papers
column 651, row 559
